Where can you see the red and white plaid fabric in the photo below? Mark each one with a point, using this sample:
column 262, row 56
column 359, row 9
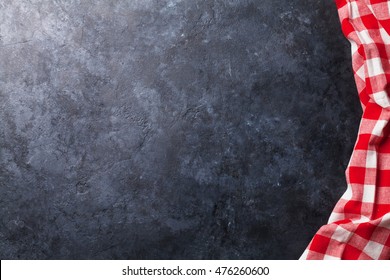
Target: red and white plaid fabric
column 359, row 226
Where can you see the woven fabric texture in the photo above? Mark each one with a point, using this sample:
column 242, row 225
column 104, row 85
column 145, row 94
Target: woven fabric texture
column 359, row 226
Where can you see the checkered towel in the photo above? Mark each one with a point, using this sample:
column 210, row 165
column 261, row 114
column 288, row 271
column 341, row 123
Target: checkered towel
column 359, row 226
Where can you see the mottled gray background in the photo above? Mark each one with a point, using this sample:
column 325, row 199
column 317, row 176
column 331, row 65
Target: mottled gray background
column 180, row 129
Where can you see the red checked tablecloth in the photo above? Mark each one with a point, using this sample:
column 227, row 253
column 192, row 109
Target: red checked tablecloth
column 359, row 226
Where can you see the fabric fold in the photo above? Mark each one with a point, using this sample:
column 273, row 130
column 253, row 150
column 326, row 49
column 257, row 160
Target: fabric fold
column 359, row 225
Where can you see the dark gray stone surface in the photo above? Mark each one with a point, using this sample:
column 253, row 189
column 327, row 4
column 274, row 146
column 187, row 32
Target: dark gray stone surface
column 180, row 129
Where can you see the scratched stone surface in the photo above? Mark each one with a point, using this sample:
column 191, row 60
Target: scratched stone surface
column 171, row 129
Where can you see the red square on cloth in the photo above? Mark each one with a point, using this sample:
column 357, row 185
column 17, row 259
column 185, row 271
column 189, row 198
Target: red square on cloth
column 357, row 175
column 351, row 253
column 319, row 244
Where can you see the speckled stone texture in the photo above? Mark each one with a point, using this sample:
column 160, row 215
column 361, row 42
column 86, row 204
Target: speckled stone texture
column 180, row 129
